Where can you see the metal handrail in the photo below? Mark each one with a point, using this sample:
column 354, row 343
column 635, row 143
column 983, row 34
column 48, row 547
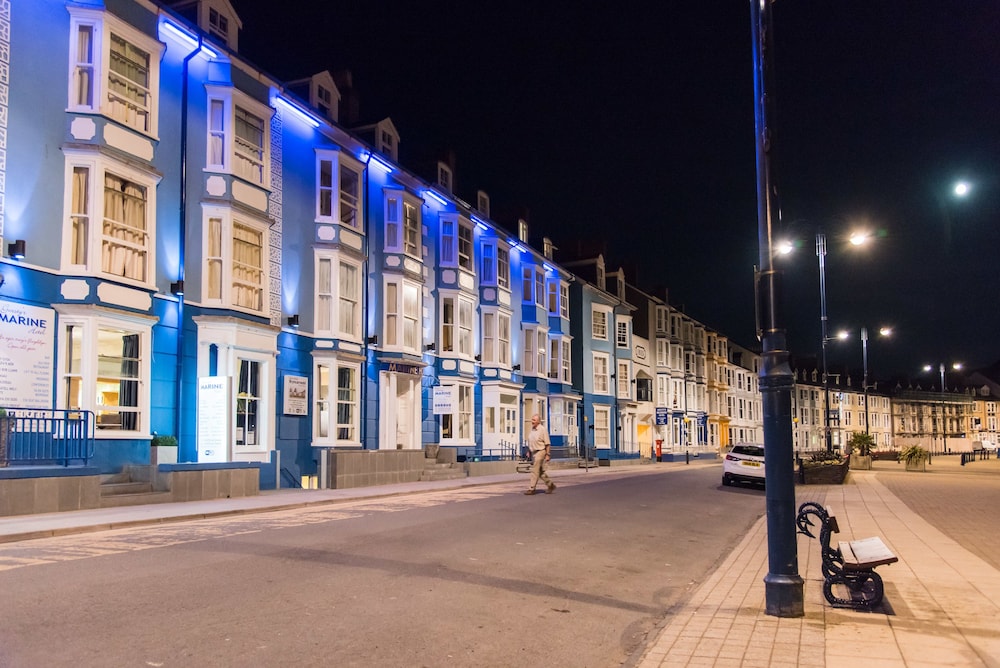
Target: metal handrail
column 45, row 436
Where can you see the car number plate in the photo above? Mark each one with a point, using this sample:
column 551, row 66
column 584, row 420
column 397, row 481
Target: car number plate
column 751, row 463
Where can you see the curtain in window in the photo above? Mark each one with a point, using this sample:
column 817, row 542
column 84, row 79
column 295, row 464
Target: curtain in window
column 348, row 298
column 124, row 230
column 85, row 66
column 346, row 397
column 326, row 188
column 248, row 274
column 216, row 133
column 128, row 83
column 249, row 146
column 213, row 258
column 324, row 295
column 349, row 189
column 80, row 215
column 128, row 386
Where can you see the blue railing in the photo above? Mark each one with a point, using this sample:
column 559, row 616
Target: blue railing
column 46, row 437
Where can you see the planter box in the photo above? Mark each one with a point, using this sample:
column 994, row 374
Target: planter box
column 163, row 454
column 917, row 466
column 861, row 462
column 827, row 474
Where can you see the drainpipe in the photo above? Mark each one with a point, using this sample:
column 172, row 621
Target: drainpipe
column 182, row 233
column 367, row 306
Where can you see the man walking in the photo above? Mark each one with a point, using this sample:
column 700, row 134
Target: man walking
column 539, row 444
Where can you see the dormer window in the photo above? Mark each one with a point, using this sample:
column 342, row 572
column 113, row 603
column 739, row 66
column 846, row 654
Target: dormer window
column 547, row 248
column 444, row 176
column 483, row 203
column 218, row 25
column 324, row 101
column 522, row 230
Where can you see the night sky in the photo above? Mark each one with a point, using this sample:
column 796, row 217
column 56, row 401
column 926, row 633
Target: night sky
column 631, row 124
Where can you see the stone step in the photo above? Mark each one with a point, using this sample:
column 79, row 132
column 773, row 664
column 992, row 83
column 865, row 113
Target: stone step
column 431, row 465
column 140, row 499
column 442, row 474
column 117, row 488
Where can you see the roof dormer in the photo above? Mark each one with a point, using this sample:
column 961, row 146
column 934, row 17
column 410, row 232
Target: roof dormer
column 483, row 203
column 387, row 139
column 445, row 177
column 215, row 17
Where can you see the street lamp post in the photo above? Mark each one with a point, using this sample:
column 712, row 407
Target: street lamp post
column 944, row 432
column 821, row 254
column 883, row 331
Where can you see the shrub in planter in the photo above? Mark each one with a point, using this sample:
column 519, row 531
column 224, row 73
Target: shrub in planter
column 824, row 468
column 859, row 449
column 163, row 449
column 915, row 458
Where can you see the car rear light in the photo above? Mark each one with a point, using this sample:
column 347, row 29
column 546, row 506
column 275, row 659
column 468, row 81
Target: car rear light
column 732, row 459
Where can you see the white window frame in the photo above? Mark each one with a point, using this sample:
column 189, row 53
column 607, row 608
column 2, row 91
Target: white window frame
column 85, row 381
column 89, row 86
column 662, row 353
column 328, row 430
column 334, row 300
column 85, row 222
column 602, row 426
column 488, row 262
column 222, row 152
column 600, row 318
column 503, row 266
column 230, row 286
column 466, row 244
column 602, row 373
column 461, row 420
column 563, row 299
column 336, row 200
column 457, row 324
column 621, row 333
column 623, row 376
column 401, row 322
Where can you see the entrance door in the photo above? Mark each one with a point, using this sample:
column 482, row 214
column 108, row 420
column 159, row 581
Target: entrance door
column 399, row 412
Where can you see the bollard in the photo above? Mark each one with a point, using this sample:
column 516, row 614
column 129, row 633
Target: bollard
column 687, row 456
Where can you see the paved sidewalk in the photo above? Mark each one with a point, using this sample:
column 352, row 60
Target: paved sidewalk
column 942, row 600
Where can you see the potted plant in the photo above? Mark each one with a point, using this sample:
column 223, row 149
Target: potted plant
column 163, row 449
column 915, row 458
column 859, row 447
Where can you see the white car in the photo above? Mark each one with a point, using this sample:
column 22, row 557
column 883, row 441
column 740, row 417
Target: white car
column 744, row 463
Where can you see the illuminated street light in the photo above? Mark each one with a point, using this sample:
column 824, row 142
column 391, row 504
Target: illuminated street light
column 944, row 431
column 883, row 331
column 961, row 189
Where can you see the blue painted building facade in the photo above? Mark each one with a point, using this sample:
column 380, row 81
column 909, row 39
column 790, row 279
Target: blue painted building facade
column 216, row 256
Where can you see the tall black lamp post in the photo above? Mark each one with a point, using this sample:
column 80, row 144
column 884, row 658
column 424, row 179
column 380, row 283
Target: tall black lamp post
column 782, row 584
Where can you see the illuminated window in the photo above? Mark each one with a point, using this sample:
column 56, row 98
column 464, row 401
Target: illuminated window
column 235, row 260
column 338, row 296
column 114, row 70
column 109, row 225
column 105, row 368
column 402, row 314
column 338, row 189
column 336, row 419
column 238, row 136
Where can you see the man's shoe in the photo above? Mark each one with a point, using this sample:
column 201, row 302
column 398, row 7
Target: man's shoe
column 551, row 488
column 529, row 492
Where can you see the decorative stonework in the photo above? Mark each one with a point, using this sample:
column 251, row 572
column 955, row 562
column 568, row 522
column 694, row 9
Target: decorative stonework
column 274, row 211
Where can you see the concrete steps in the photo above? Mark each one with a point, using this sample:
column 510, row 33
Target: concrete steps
column 435, row 470
column 131, row 487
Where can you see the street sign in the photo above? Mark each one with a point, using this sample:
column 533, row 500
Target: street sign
column 661, row 416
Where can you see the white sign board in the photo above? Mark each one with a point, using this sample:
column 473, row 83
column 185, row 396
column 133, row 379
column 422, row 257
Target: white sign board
column 214, row 427
column 296, row 395
column 26, row 355
column 443, row 399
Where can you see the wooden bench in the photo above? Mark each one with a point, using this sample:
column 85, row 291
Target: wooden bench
column 850, row 567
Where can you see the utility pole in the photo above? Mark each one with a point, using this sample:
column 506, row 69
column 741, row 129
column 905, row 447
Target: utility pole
column 782, row 585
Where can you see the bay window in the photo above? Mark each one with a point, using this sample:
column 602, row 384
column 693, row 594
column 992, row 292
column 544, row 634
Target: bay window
column 238, row 135
column 115, row 239
column 336, row 418
column 338, row 188
column 402, row 223
column 114, row 70
column 235, row 260
column 402, row 303
column 456, row 424
column 456, row 325
column 105, row 368
column 338, row 296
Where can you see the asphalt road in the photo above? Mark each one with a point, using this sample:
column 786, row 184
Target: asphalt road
column 480, row 576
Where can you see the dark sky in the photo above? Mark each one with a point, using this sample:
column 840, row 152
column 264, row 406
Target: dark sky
column 631, row 123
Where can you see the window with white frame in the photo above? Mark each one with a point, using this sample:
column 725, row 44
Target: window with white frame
column 553, row 296
column 106, row 369
column 562, row 420
column 662, row 390
column 602, row 426
column 602, row 373
column 530, row 341
column 599, row 321
column 566, row 361
column 527, row 284
column 465, row 259
column 539, row 288
column 456, row 424
column 496, row 337
column 449, row 241
column 457, row 314
column 662, row 321
column 402, row 223
column 488, row 263
column 117, row 240
column 554, row 358
column 238, row 136
column 563, row 299
column 338, row 188
column 662, row 352
column 114, row 70
column 402, row 314
column 624, row 380
column 621, row 337
column 338, row 296
column 503, row 267
column 542, row 350
column 336, row 388
column 235, row 260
